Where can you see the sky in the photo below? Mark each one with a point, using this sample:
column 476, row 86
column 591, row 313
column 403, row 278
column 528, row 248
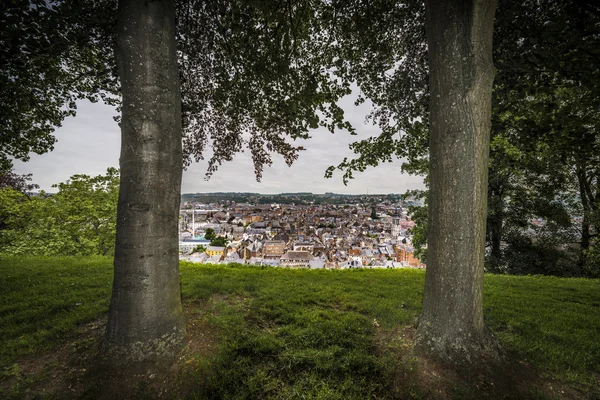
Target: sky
column 90, row 143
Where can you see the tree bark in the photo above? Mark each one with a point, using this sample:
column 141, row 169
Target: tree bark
column 459, row 36
column 145, row 318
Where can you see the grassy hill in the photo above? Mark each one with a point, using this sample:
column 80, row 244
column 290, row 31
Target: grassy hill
column 278, row 333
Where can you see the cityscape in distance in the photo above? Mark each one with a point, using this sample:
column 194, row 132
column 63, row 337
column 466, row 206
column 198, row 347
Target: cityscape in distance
column 299, row 230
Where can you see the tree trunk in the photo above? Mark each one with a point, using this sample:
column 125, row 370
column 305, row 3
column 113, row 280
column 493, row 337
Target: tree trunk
column 585, row 223
column 145, row 318
column 459, row 36
column 585, row 242
column 495, row 221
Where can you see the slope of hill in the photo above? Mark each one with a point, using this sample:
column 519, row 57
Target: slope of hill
column 280, row 333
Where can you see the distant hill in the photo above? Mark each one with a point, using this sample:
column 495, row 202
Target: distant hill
column 289, row 198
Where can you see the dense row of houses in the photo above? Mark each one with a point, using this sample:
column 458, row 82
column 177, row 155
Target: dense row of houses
column 299, row 236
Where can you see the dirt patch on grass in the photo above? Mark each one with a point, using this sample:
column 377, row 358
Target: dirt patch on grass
column 72, row 370
column 512, row 379
column 422, row 377
column 57, row 373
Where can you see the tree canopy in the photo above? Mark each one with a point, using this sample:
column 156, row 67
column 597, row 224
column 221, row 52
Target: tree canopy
column 219, row 241
column 253, row 74
column 20, row 183
column 545, row 106
column 52, row 53
column 79, row 219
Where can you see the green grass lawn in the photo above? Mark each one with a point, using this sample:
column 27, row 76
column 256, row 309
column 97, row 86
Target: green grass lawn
column 300, row 333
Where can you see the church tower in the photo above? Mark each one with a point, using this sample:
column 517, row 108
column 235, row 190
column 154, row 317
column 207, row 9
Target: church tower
column 395, row 224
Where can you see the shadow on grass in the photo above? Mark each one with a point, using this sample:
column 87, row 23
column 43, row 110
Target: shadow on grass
column 275, row 333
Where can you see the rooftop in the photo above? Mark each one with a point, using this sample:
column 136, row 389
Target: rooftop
column 297, row 255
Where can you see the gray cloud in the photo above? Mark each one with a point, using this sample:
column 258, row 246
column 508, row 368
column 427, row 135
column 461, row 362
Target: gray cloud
column 90, row 143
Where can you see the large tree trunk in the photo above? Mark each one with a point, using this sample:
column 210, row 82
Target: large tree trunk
column 146, row 318
column 459, row 36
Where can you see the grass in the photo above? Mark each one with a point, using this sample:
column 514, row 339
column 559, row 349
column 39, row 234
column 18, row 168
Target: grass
column 294, row 332
column 553, row 323
column 304, row 333
column 44, row 301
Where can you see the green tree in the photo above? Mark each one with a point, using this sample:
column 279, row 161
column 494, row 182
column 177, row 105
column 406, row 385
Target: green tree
column 219, row 241
column 145, row 318
column 78, row 220
column 561, row 167
column 544, row 138
column 209, row 234
column 446, row 103
column 18, row 183
column 199, row 249
column 541, row 50
column 419, row 230
column 459, row 39
column 11, row 216
column 21, row 183
column 88, row 207
column 51, row 55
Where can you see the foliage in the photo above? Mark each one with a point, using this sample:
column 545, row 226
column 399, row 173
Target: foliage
column 544, row 150
column 78, row 220
column 20, row 183
column 52, row 53
column 9, row 204
column 419, row 230
column 391, row 71
column 323, row 333
column 209, row 234
column 12, row 189
column 264, row 69
column 199, row 249
column 544, row 154
column 254, row 74
column 219, row 241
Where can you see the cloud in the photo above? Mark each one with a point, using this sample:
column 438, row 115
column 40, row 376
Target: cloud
column 90, row 143
column 86, row 144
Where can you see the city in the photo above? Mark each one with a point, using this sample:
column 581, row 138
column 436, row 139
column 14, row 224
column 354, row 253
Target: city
column 331, row 236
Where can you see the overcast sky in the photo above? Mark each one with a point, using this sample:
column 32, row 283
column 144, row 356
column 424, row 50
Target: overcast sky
column 89, row 143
